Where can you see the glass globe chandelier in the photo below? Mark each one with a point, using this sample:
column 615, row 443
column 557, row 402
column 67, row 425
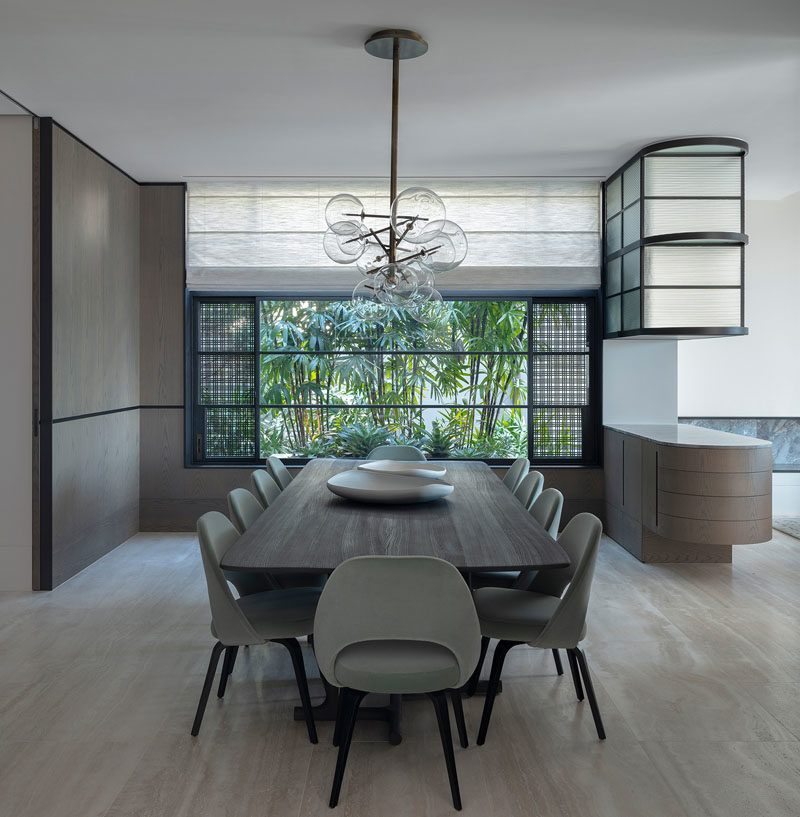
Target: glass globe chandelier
column 399, row 253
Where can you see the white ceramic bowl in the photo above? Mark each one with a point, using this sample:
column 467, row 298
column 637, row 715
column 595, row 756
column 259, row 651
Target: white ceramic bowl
column 387, row 489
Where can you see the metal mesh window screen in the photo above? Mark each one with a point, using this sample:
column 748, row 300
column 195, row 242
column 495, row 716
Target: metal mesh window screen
column 226, row 327
column 560, row 380
column 560, row 327
column 226, row 379
column 230, row 432
column 557, row 433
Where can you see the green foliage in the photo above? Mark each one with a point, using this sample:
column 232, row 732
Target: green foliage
column 358, row 439
column 438, row 443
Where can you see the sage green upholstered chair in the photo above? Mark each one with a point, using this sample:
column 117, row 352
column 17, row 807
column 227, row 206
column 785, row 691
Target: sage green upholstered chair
column 529, row 488
column 396, row 624
column 397, row 452
column 544, row 620
column 546, row 510
column 518, row 469
column 265, row 489
column 243, row 508
column 277, row 615
column 280, row 472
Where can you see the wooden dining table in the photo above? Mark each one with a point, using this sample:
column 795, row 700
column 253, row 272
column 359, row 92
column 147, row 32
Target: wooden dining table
column 480, row 526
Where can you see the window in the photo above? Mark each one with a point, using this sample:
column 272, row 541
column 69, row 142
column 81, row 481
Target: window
column 493, row 380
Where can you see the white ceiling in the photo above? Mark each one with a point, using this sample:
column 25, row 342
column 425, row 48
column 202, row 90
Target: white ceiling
column 170, row 89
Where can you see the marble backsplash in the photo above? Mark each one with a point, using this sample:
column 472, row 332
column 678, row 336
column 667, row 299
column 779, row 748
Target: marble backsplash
column 782, row 432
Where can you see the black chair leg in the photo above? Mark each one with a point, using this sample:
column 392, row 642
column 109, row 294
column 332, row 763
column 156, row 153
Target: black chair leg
column 226, row 671
column 576, row 676
column 557, row 662
column 443, row 719
column 293, row 645
column 587, row 682
column 210, row 672
column 233, row 659
column 500, row 652
column 337, row 727
column 348, row 712
column 458, row 714
column 472, row 684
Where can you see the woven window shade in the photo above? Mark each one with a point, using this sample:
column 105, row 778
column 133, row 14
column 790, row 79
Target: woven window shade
column 266, row 234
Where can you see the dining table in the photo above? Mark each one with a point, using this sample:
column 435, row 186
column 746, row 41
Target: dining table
column 480, row 526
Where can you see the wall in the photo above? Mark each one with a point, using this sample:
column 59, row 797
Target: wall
column 640, row 381
column 757, row 375
column 171, row 497
column 16, row 240
column 95, row 356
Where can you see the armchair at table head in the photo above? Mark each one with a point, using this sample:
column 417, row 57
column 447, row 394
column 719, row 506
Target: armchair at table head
column 397, row 452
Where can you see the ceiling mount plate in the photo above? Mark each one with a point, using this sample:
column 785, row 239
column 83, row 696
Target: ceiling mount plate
column 381, row 44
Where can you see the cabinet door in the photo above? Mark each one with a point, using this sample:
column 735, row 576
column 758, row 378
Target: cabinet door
column 612, row 456
column 632, row 476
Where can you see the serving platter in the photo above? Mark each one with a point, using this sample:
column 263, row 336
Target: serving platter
column 427, row 470
column 387, row 489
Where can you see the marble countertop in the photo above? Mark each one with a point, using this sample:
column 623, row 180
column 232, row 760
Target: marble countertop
column 691, row 436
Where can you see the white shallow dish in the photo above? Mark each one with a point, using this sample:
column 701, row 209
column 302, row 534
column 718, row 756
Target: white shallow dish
column 427, row 470
column 387, row 489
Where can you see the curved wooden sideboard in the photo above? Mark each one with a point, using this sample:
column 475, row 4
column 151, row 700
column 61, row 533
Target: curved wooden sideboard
column 680, row 493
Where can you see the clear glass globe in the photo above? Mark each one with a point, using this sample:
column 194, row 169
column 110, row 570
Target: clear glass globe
column 397, row 284
column 344, row 242
column 366, row 307
column 413, row 211
column 448, row 247
column 373, row 258
column 344, row 208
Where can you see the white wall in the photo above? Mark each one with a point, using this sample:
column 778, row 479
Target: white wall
column 757, row 375
column 640, row 381
column 16, row 238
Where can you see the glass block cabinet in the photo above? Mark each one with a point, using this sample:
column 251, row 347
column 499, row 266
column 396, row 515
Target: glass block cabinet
column 674, row 241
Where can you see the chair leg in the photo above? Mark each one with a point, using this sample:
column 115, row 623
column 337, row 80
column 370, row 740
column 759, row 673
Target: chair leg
column 350, row 700
column 458, row 714
column 576, row 676
column 443, row 719
column 337, row 727
column 472, row 684
column 233, row 659
column 210, row 672
column 557, row 662
column 293, row 645
column 226, row 671
column 587, row 682
column 500, row 652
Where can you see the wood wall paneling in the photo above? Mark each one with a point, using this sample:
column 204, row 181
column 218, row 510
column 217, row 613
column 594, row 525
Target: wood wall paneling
column 95, row 489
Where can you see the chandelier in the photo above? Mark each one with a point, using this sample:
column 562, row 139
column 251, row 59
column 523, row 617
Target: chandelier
column 399, row 253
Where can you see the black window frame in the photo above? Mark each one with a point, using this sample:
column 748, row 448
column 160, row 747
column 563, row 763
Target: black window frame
column 591, row 425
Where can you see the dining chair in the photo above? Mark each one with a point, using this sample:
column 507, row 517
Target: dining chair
column 543, row 620
column 265, row 489
column 397, row 452
column 278, row 615
column 279, row 471
column 394, row 625
column 515, row 473
column 529, row 488
column 243, row 508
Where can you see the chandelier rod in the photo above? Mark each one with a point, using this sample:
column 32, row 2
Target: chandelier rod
column 395, row 95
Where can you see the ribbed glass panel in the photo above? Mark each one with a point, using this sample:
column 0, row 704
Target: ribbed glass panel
column 662, row 216
column 613, row 314
column 631, row 183
column 693, row 176
column 631, row 223
column 614, row 197
column 692, row 266
column 631, row 310
column 613, row 276
column 614, row 234
column 630, row 269
column 691, row 308
column 278, row 223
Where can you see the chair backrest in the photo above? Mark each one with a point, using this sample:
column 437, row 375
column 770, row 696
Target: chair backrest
column 546, row 510
column 396, row 598
column 279, row 471
column 397, row 452
column 519, row 468
column 216, row 535
column 529, row 489
column 265, row 488
column 581, row 539
column 243, row 508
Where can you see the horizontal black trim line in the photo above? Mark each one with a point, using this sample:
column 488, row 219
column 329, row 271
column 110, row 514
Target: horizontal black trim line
column 684, row 331
column 683, row 239
column 107, row 411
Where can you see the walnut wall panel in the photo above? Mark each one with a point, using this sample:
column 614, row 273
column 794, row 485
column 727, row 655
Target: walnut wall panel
column 95, row 489
column 95, row 282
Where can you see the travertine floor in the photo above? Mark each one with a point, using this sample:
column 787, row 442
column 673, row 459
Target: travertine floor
column 697, row 670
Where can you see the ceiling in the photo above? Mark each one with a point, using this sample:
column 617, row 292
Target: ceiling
column 170, row 89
